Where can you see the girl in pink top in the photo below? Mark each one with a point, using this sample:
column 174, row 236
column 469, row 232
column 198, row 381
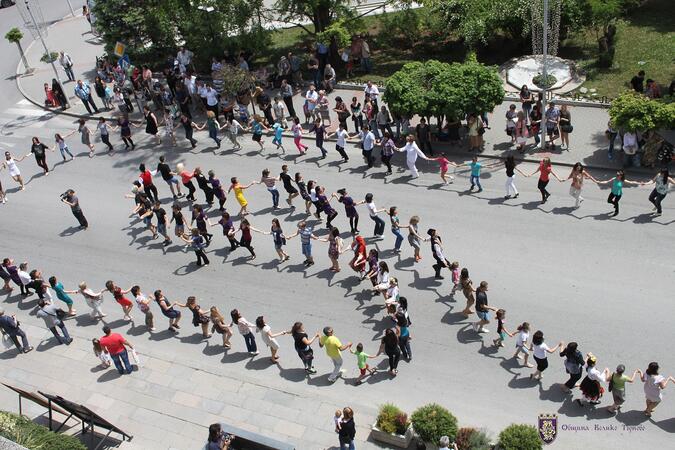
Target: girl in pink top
column 454, row 268
column 444, row 163
column 297, row 136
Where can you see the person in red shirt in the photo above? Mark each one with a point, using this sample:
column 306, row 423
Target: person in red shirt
column 150, row 189
column 117, row 348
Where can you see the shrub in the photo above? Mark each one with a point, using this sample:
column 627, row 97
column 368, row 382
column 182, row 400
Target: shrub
column 31, row 435
column 472, row 439
column 49, row 57
column 392, row 420
column 520, row 437
column 433, row 421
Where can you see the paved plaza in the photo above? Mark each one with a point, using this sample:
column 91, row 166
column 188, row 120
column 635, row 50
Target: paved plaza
column 576, row 274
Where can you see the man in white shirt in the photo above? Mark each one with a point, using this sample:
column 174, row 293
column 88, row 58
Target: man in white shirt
column 412, row 152
column 211, row 96
column 374, row 93
column 67, row 64
column 367, row 143
column 312, row 98
column 184, row 58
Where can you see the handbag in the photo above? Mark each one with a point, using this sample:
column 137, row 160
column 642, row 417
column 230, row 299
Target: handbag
column 7, row 341
column 481, row 131
column 134, row 357
column 566, row 128
column 61, row 314
column 610, row 387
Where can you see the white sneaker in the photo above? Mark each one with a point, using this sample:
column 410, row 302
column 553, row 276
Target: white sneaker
column 483, row 330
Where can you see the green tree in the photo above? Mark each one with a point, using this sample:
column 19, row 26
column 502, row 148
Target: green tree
column 152, row 29
column 635, row 112
column 439, row 89
column 14, row 36
column 321, row 13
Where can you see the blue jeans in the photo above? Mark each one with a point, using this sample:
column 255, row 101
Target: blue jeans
column 213, row 134
column 399, row 238
column 373, row 127
column 275, row 196
column 347, row 446
column 250, row 342
column 65, row 150
column 66, row 337
column 122, row 363
column 475, row 181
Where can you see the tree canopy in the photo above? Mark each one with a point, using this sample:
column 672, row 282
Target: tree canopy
column 14, row 35
column 635, row 112
column 435, row 88
column 152, row 29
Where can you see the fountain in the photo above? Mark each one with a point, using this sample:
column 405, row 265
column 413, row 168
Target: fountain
column 562, row 75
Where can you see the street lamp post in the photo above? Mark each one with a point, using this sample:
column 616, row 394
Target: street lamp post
column 542, row 123
column 72, row 11
column 56, row 72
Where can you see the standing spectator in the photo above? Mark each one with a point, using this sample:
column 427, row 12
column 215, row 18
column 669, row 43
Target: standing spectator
column 67, row 63
column 333, row 349
column 52, row 317
column 366, row 63
column 322, row 51
column 372, row 92
column 71, row 200
column 611, row 133
column 184, row 58
column 423, row 132
column 9, row 325
column 654, row 384
column 286, row 93
column 117, row 348
column 637, row 82
column 347, row 430
column 552, row 117
column 83, row 92
column 526, row 100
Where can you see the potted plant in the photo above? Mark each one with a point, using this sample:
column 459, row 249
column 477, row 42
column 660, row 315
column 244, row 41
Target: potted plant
column 519, row 437
column 392, row 426
column 431, row 422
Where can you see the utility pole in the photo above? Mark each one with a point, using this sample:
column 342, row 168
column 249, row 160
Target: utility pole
column 56, row 72
column 542, row 124
column 72, row 11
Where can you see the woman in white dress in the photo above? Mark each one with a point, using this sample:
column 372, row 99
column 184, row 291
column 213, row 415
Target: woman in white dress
column 11, row 165
column 412, row 153
column 268, row 337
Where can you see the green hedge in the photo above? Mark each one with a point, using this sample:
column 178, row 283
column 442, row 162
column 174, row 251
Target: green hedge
column 34, row 436
column 520, row 437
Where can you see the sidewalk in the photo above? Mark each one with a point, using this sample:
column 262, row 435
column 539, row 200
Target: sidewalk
column 73, row 36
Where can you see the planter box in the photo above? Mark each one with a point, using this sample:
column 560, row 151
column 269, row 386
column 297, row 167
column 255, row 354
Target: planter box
column 397, row 440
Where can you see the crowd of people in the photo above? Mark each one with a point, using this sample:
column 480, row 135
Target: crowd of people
column 375, row 125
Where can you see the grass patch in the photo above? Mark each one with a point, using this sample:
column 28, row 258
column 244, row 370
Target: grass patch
column 647, row 35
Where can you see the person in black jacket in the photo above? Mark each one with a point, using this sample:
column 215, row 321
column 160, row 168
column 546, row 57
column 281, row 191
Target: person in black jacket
column 347, row 430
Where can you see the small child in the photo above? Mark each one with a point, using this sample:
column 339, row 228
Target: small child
column 501, row 330
column 521, row 343
column 337, row 420
column 444, row 163
column 101, row 353
column 454, row 268
column 278, row 131
column 361, row 360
